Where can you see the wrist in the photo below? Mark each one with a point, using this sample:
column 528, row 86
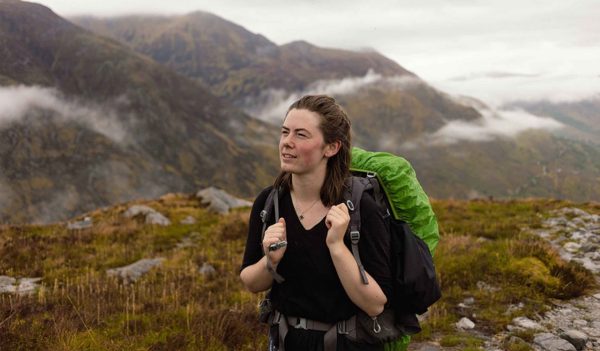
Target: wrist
column 336, row 248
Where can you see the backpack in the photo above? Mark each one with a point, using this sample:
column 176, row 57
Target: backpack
column 410, row 220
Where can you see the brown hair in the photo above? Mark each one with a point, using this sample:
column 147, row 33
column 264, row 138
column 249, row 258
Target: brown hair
column 335, row 126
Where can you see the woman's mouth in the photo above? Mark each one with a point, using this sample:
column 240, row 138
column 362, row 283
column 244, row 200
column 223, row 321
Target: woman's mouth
column 286, row 155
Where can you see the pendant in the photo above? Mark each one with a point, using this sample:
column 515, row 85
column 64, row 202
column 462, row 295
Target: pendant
column 301, row 217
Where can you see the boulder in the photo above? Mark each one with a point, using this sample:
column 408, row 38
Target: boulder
column 22, row 286
column 86, row 223
column 207, row 269
column 151, row 215
column 134, row 271
column 157, row 218
column 575, row 337
column 188, row 220
column 526, row 323
column 220, row 201
column 7, row 284
column 465, row 323
column 551, row 342
column 138, row 209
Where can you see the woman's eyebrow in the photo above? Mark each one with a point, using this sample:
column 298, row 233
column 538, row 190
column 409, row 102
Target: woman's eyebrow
column 296, row 130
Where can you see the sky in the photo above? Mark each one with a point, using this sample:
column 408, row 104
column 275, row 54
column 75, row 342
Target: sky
column 497, row 51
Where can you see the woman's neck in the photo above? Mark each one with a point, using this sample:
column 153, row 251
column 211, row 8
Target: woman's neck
column 307, row 187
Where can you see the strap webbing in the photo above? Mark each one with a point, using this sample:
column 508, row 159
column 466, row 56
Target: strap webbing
column 358, row 186
column 272, row 202
column 331, row 329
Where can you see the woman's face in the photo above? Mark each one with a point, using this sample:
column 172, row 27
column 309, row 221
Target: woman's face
column 302, row 148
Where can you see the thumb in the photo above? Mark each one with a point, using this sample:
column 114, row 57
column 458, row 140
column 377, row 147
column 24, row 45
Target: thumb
column 282, row 221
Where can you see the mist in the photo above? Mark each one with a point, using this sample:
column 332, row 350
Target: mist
column 272, row 104
column 16, row 102
column 493, row 124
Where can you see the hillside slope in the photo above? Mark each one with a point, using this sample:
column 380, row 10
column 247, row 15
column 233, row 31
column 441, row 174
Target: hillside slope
column 118, row 124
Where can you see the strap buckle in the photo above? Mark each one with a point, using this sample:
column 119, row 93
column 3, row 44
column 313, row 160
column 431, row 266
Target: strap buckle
column 354, row 236
column 350, row 205
column 342, row 328
column 301, row 323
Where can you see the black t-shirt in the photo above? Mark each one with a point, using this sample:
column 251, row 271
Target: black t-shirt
column 312, row 288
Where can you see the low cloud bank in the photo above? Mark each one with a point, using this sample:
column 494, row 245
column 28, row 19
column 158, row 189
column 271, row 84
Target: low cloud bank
column 18, row 101
column 493, row 124
column 272, row 104
column 500, row 88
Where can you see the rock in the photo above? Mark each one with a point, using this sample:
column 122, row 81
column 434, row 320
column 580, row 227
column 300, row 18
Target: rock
column 7, row 284
column 220, row 201
column 576, row 212
column 469, row 301
column 134, row 271
column 185, row 242
column 23, row 286
column 575, row 337
column 188, row 220
column 27, row 286
column 207, row 269
column 597, row 296
column 138, row 209
column 465, row 323
column 426, row 347
column 580, row 323
column 481, row 285
column 151, row 215
column 157, row 218
column 551, row 342
column 526, row 323
column 572, row 247
column 86, row 223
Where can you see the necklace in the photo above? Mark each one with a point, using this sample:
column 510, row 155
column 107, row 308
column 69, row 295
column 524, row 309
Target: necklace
column 301, row 215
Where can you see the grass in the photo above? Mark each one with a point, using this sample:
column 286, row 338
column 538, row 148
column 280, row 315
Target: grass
column 174, row 307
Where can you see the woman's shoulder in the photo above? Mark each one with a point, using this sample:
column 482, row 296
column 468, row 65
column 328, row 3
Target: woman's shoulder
column 262, row 196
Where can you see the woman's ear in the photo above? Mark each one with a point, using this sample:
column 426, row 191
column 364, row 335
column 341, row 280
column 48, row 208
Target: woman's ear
column 332, row 149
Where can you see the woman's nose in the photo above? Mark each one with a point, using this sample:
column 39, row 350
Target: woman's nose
column 287, row 140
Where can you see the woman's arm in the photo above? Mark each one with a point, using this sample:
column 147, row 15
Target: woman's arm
column 368, row 297
column 256, row 277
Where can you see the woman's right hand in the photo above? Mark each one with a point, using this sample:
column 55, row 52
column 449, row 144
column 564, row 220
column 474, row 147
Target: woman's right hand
column 274, row 234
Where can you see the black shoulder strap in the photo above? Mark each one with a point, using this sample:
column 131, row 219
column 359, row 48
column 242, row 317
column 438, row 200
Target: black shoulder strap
column 353, row 195
column 272, row 203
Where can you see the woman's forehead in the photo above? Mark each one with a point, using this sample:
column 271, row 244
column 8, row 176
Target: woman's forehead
column 302, row 119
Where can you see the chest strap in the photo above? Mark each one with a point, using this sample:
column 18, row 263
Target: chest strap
column 331, row 329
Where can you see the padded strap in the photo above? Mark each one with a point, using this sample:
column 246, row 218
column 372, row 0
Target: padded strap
column 358, row 186
column 271, row 203
column 286, row 322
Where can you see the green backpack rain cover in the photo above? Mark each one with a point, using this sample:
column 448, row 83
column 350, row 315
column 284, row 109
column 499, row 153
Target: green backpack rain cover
column 408, row 201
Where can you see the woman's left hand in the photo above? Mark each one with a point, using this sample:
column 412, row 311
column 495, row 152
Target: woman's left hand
column 337, row 222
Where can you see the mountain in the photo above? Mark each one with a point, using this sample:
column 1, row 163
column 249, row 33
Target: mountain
column 251, row 71
column 581, row 118
column 234, row 62
column 108, row 124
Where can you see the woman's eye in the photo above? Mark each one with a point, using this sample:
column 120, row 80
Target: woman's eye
column 302, row 135
column 284, row 132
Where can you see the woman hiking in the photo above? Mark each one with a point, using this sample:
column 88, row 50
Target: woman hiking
column 320, row 284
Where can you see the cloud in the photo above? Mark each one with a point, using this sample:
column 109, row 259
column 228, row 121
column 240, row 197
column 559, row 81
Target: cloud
column 272, row 104
column 493, row 124
column 493, row 75
column 549, row 87
column 17, row 102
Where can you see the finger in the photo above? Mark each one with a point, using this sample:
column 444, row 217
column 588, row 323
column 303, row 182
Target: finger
column 283, row 232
